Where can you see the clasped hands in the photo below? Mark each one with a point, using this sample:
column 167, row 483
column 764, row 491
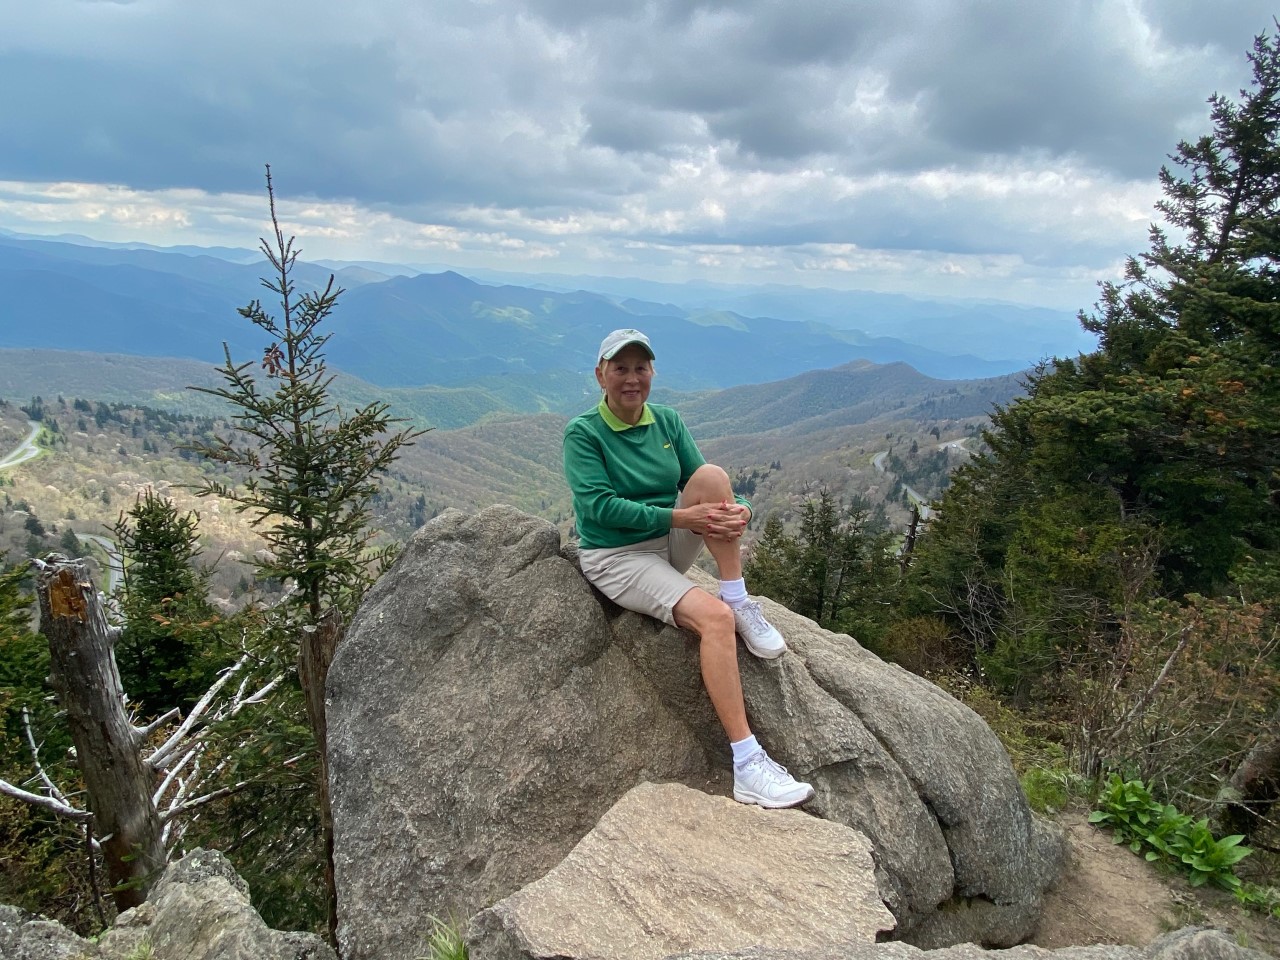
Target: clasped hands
column 724, row 520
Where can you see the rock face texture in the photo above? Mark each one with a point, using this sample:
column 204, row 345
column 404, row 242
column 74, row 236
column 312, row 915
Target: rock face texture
column 487, row 707
column 24, row 937
column 198, row 910
column 669, row 869
column 1189, row 943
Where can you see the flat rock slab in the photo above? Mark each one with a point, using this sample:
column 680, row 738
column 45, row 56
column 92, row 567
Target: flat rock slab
column 669, row 869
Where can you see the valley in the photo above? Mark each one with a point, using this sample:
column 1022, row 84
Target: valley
column 782, row 442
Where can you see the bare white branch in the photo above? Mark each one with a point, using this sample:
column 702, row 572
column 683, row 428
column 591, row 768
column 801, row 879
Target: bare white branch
column 165, row 751
column 174, row 771
column 141, row 733
column 258, row 697
column 52, row 788
column 190, row 805
column 46, row 803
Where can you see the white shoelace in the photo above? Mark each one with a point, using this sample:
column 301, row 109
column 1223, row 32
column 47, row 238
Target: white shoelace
column 770, row 765
column 754, row 615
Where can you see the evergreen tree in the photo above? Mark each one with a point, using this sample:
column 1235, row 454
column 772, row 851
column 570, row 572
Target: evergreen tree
column 313, row 469
column 1154, row 461
column 69, row 543
column 834, row 569
column 166, row 652
column 1189, row 349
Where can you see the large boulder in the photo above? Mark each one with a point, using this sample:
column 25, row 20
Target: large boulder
column 487, row 707
column 669, row 870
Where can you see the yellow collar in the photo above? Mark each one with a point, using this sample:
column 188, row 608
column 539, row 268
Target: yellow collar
column 616, row 425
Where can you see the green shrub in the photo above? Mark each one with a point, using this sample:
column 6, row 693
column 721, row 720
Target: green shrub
column 1256, row 897
column 1141, row 821
column 922, row 645
column 1029, row 742
column 1206, row 859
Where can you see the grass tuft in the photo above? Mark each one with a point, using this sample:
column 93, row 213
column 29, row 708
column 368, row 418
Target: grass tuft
column 445, row 941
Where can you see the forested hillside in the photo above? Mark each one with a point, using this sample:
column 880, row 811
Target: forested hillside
column 1112, row 566
column 162, row 383
column 95, row 460
column 852, row 394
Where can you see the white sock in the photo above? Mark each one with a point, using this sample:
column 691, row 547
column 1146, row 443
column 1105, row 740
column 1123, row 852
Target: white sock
column 734, row 592
column 744, row 750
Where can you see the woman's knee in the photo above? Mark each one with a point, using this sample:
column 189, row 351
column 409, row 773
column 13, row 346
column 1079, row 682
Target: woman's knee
column 709, row 482
column 707, row 616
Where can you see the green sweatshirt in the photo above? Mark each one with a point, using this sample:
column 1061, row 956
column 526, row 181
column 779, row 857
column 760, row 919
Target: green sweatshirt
column 625, row 479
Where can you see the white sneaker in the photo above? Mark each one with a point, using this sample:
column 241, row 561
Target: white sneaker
column 761, row 637
column 763, row 782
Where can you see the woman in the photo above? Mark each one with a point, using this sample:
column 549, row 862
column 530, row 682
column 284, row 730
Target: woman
column 646, row 503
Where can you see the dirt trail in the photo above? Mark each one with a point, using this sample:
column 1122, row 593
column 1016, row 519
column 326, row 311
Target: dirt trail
column 1110, row 895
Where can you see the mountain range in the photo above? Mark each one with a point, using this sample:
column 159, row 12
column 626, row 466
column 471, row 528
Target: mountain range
column 503, row 345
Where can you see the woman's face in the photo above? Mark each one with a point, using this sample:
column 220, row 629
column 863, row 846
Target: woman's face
column 625, row 381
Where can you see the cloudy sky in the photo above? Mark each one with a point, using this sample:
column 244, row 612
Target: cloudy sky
column 988, row 148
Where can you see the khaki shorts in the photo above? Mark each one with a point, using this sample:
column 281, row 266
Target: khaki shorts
column 647, row 577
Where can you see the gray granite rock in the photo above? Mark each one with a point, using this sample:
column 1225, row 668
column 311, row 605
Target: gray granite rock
column 200, row 910
column 1189, row 943
column 487, row 707
column 1196, row 943
column 24, row 937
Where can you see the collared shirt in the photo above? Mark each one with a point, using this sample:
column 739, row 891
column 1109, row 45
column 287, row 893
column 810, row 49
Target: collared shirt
column 609, row 417
column 625, row 478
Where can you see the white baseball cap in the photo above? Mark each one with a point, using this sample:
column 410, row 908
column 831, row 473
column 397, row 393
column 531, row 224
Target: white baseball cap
column 615, row 341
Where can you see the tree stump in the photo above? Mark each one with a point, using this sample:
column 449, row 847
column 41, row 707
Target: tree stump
column 108, row 748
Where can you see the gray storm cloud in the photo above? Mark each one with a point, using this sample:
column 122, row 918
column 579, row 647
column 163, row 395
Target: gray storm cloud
column 750, row 122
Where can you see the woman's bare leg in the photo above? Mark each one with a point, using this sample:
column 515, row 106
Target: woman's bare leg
column 710, row 484
column 712, row 621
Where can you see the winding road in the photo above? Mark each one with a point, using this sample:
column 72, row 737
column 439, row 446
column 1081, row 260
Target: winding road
column 27, row 449
column 115, row 562
column 926, row 512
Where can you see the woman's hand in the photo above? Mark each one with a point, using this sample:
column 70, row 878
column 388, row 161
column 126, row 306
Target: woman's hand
column 728, row 521
column 716, row 521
